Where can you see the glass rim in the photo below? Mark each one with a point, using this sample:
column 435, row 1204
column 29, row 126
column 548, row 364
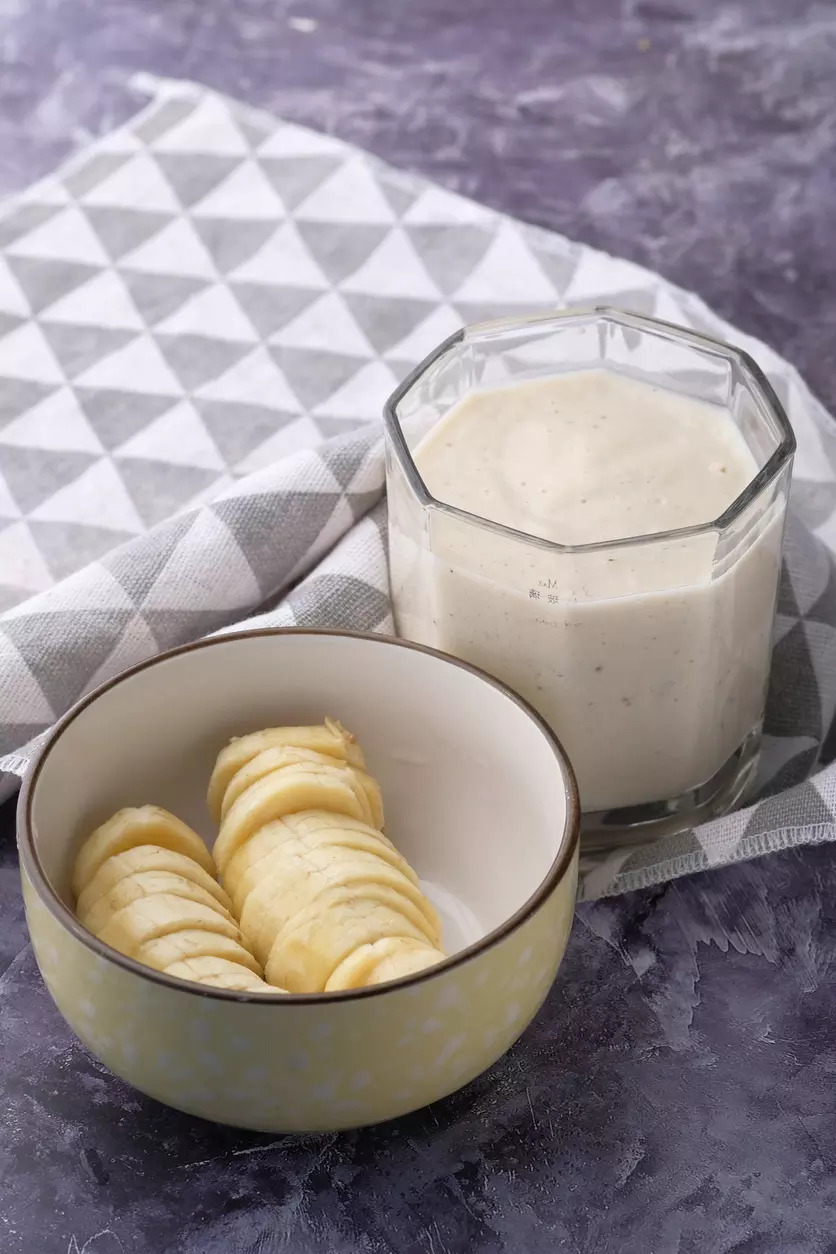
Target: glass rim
column 763, row 391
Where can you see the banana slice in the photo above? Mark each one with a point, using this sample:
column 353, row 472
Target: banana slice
column 306, row 953
column 252, row 872
column 396, row 965
column 283, row 896
column 148, row 918
column 285, row 791
column 145, row 884
column 145, row 825
column 328, row 737
column 252, row 861
column 382, row 869
column 311, row 822
column 313, row 827
column 363, row 966
column 319, row 891
column 263, row 764
column 244, row 983
column 221, row 973
column 193, row 943
column 291, row 885
column 250, row 854
column 273, row 759
column 146, row 858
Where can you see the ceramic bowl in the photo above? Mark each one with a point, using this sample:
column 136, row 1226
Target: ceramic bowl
column 479, row 797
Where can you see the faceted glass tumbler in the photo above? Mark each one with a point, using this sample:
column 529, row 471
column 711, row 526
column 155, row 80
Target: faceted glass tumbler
column 649, row 656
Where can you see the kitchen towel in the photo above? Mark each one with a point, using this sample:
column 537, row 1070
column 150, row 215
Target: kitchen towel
column 200, row 317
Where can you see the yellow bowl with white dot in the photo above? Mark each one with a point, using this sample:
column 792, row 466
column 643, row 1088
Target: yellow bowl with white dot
column 479, row 797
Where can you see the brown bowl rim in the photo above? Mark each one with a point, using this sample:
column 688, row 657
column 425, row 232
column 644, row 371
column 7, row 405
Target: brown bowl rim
column 64, row 916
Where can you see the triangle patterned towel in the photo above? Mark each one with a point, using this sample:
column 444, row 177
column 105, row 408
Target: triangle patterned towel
column 200, row 317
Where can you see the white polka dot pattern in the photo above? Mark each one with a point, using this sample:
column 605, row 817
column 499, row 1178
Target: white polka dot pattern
column 283, row 1067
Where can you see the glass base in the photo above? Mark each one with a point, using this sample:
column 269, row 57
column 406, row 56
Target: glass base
column 604, row 830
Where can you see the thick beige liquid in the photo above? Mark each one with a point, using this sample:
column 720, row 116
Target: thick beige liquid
column 650, row 661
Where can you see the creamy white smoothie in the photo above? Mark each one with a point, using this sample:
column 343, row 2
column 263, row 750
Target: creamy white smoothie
column 649, row 660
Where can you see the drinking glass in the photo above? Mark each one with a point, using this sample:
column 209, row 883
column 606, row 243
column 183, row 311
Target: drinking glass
column 649, row 656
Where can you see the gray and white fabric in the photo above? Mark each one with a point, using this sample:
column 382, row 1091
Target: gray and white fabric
column 200, row 318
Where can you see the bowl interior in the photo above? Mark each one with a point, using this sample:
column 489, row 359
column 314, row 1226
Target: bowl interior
column 476, row 793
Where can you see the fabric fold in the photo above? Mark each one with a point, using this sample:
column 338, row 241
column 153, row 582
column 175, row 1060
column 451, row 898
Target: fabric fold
column 194, row 574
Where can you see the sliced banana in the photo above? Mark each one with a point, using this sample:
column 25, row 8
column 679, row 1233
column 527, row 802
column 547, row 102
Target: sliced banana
column 306, row 822
column 316, row 853
column 270, row 760
column 244, row 983
column 143, row 825
column 397, row 965
column 306, row 953
column 221, row 973
column 146, row 858
column 249, row 857
column 147, row 884
column 281, row 899
column 323, row 897
column 293, row 884
column 285, row 791
column 365, row 964
column 375, row 857
column 310, row 875
column 245, row 867
column 328, row 738
column 148, row 918
column 265, row 763
column 163, row 951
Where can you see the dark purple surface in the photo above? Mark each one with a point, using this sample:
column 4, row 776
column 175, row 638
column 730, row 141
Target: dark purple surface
column 677, row 1095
